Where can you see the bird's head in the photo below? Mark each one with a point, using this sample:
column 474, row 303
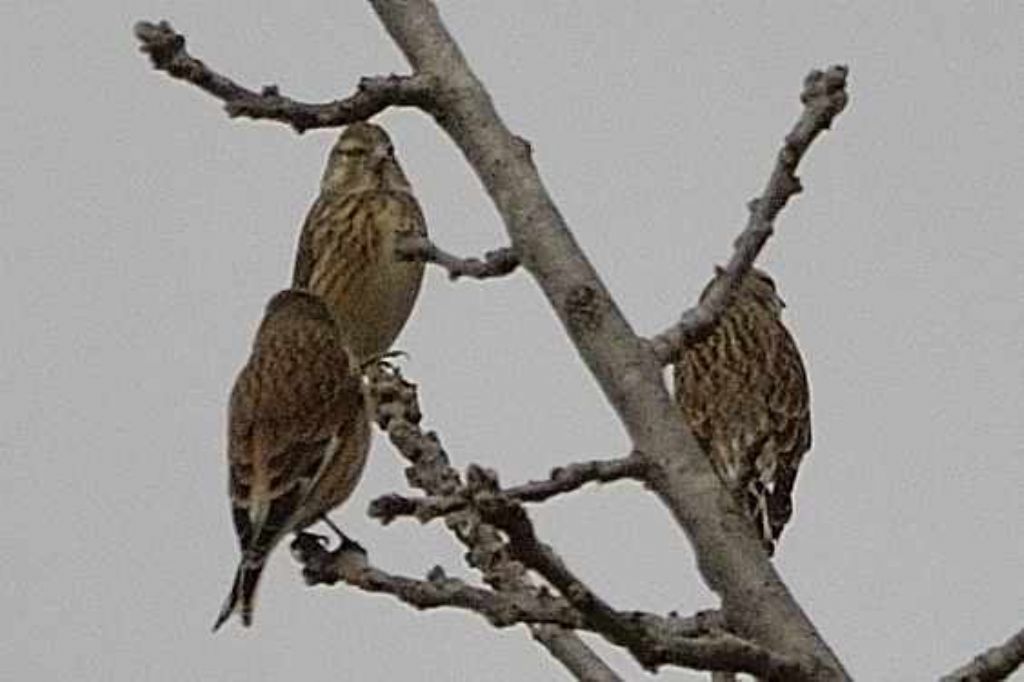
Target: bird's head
column 362, row 159
column 289, row 306
column 757, row 287
column 292, row 303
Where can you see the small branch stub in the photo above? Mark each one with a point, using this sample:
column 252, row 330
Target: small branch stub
column 497, row 263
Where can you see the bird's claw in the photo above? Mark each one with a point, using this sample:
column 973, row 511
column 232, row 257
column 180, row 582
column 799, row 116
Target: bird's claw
column 305, row 546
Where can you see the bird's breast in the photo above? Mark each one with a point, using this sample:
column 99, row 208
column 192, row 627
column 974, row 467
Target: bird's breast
column 357, row 272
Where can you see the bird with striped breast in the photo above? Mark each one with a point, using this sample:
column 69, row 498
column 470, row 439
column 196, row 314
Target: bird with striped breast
column 743, row 393
column 347, row 247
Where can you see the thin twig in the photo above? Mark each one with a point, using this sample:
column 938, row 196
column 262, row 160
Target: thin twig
column 564, row 479
column 166, row 50
column 497, row 263
column 824, row 97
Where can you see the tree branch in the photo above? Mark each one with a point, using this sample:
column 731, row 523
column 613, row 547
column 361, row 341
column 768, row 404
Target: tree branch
column 564, row 479
column 166, row 50
column 997, row 663
column 497, row 263
column 502, row 609
column 574, row 654
column 396, row 410
column 824, row 97
column 653, row 641
column 757, row 604
column 702, row 634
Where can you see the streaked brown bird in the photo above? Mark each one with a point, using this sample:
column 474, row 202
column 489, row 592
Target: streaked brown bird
column 743, row 393
column 298, row 434
column 346, row 251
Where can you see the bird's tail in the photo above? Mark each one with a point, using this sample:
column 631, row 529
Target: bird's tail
column 242, row 597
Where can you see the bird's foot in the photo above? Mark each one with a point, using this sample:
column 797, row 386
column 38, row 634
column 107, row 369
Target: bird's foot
column 345, row 543
column 307, row 547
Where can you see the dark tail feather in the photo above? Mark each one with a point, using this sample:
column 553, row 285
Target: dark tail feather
column 242, row 597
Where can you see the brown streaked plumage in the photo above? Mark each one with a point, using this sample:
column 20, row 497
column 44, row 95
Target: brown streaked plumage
column 346, row 251
column 743, row 393
column 298, row 434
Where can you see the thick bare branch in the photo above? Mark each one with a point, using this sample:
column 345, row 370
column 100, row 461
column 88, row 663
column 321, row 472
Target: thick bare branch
column 564, row 479
column 166, row 50
column 497, row 263
column 756, row 602
column 824, row 97
column 998, row 663
column 396, row 410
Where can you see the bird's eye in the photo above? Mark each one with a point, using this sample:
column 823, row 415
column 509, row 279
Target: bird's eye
column 391, row 150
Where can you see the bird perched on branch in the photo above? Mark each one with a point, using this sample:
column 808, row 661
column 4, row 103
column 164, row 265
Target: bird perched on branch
column 346, row 251
column 298, row 434
column 743, row 393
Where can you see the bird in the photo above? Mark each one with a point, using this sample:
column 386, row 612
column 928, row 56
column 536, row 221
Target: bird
column 743, row 393
column 346, row 251
column 298, row 434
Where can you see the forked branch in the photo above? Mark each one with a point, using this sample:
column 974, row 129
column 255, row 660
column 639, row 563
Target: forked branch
column 645, row 636
column 396, row 410
column 824, row 97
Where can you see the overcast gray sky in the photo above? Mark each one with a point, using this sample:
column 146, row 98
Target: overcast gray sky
column 143, row 231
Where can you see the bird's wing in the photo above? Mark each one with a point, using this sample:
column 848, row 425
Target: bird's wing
column 411, row 220
column 789, row 409
column 305, row 258
column 340, row 472
column 284, row 417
